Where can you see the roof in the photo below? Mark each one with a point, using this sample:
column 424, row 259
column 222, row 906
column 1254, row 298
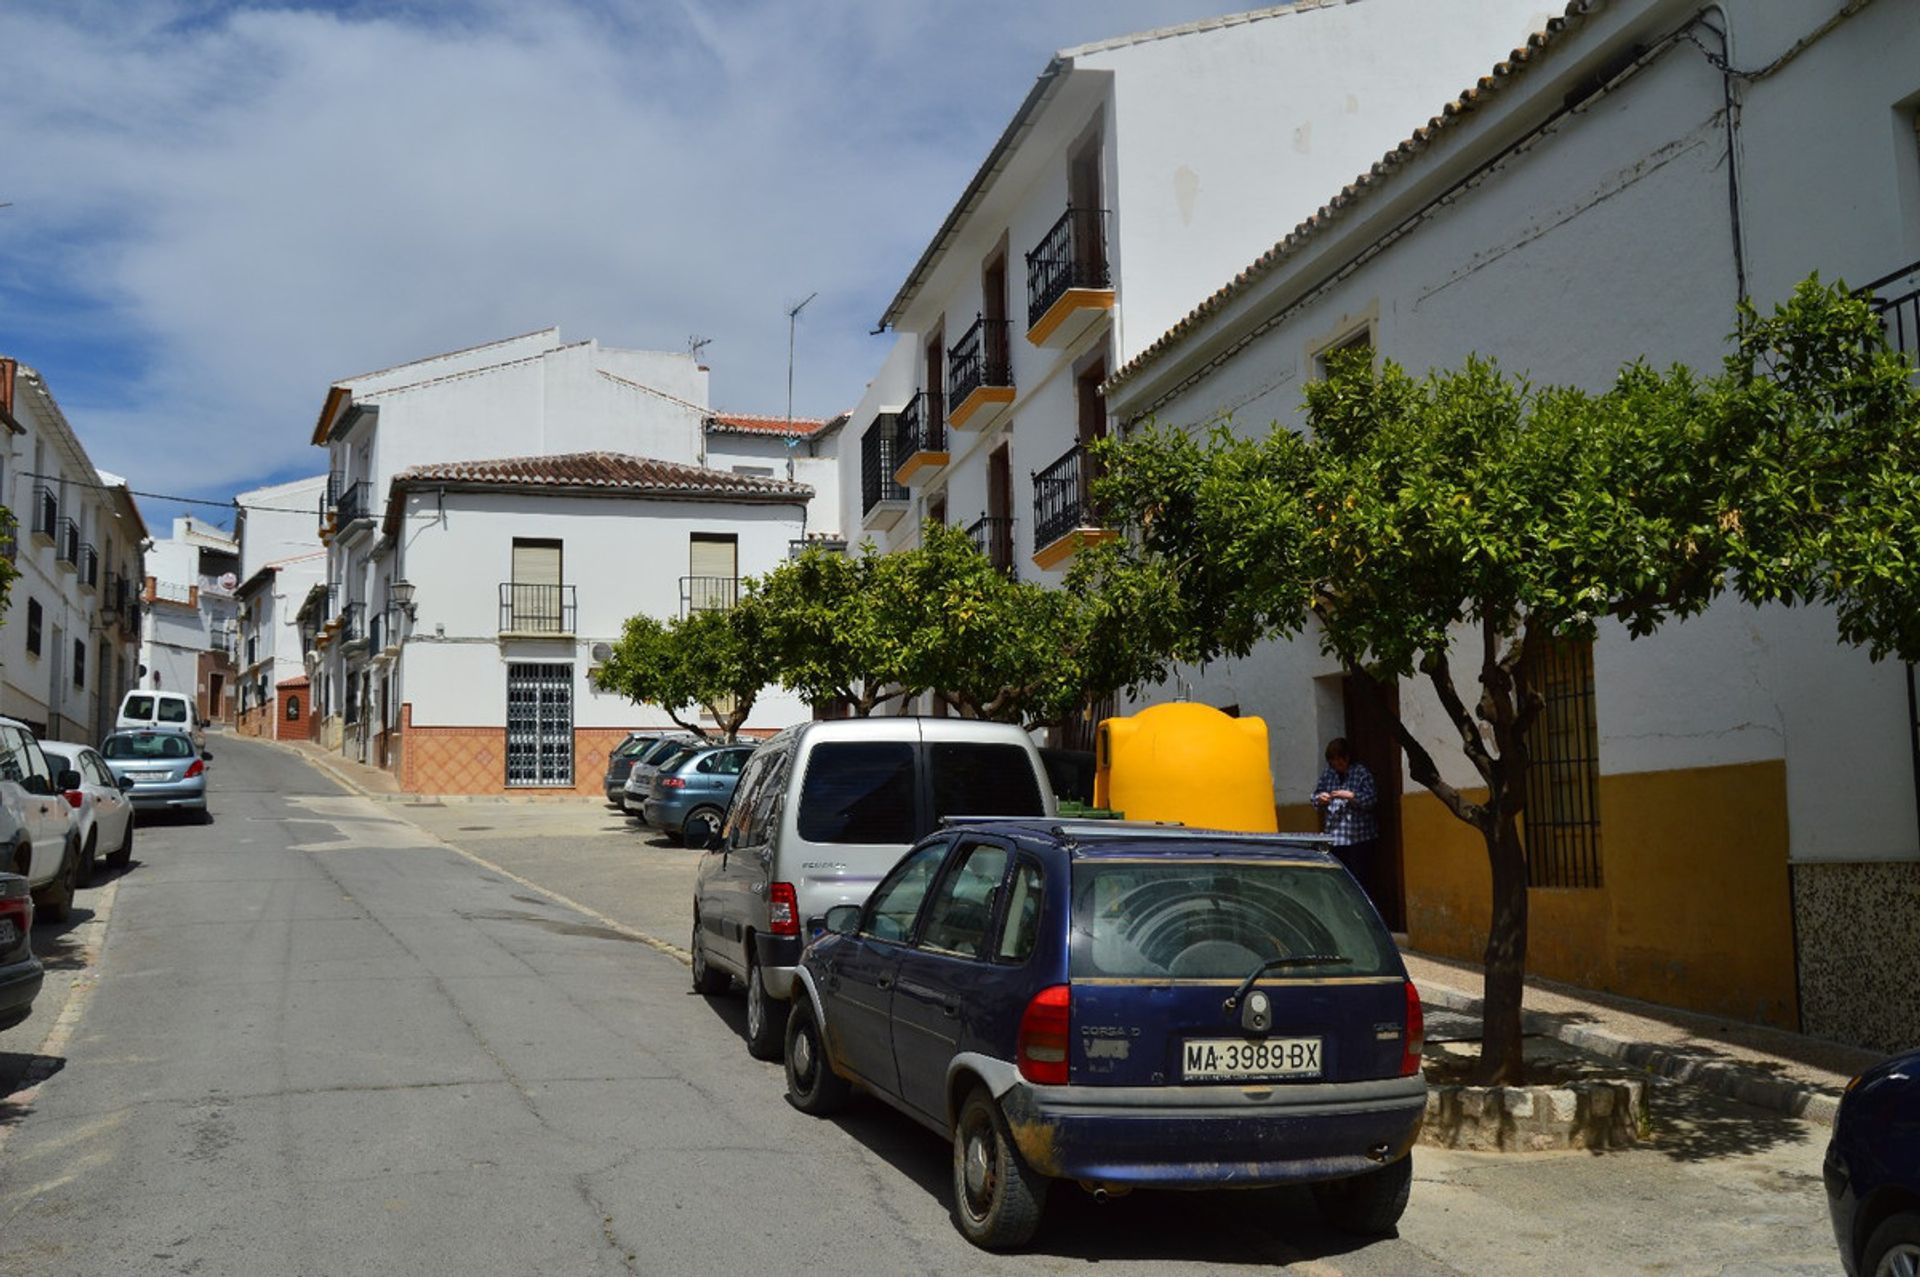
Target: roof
column 1029, row 110
column 613, row 474
column 1366, row 184
column 749, row 424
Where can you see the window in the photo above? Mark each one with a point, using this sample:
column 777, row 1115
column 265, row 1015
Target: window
column 34, row 619
column 79, row 663
column 1023, row 914
column 138, row 707
column 1562, row 822
column 539, row 724
column 983, row 780
column 293, row 707
column 756, row 472
column 755, row 801
column 147, row 745
column 713, row 572
column 536, row 599
column 858, row 792
column 895, row 902
column 173, row 709
column 962, row 908
column 1355, row 344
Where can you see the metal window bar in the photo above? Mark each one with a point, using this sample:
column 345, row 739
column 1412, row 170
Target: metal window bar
column 921, row 426
column 1061, row 499
column 992, row 535
column 89, row 565
column 708, row 593
column 353, row 504
column 1071, row 255
column 349, row 622
column 1896, row 299
column 1562, row 821
column 537, row 609
column 982, row 357
column 877, row 464
column 66, row 542
column 46, row 510
column 539, row 724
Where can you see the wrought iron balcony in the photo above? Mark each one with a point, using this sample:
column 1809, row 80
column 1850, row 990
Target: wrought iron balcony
column 879, row 492
column 1060, row 496
column 351, row 620
column 1896, row 298
column 66, row 543
column 920, row 435
column 979, row 369
column 329, row 495
column 536, row 609
column 708, row 593
column 355, row 503
column 89, row 565
column 992, row 535
column 46, row 512
column 1071, row 255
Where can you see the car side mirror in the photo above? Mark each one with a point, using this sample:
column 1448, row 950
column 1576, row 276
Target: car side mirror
column 68, row 779
column 126, row 783
column 843, row 920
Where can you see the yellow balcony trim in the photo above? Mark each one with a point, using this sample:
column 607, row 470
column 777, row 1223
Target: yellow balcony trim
column 1068, row 302
column 974, row 403
column 1060, row 549
column 917, row 462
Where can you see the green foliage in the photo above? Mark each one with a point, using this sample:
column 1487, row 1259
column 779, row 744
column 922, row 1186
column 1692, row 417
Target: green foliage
column 711, row 659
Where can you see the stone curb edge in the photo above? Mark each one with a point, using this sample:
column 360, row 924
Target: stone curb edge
column 1733, row 1081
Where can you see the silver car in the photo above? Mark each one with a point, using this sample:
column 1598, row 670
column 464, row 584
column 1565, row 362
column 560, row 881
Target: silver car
column 167, row 772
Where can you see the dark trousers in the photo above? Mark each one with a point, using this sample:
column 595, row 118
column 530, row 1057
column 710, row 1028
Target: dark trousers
column 1358, row 857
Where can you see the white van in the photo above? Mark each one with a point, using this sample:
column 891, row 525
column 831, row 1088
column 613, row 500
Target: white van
column 822, row 812
column 166, row 710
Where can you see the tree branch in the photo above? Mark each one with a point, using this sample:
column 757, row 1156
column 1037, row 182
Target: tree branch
column 1440, row 673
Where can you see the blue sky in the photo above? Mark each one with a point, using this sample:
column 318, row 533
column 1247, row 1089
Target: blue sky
column 218, row 209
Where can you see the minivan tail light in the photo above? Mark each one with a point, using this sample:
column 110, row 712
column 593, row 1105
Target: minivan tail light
column 1416, row 1033
column 783, row 910
column 1041, row 1048
column 199, row 765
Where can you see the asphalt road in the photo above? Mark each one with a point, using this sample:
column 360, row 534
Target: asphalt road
column 315, row 1038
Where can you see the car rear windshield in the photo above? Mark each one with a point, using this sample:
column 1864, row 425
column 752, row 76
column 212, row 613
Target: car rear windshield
column 983, row 780
column 137, row 707
column 154, row 746
column 858, row 792
column 1196, row 920
column 172, row 711
column 640, row 745
column 664, row 750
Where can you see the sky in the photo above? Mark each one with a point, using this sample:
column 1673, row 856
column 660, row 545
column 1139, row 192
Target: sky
column 219, row 209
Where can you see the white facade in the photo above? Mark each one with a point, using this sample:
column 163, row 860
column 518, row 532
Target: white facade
column 1195, row 141
column 281, row 559
column 68, row 647
column 803, row 451
column 191, row 613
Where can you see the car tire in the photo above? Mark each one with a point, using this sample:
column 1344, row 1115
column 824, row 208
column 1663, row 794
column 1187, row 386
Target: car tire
column 122, row 855
column 812, row 1085
column 55, row 902
column 708, row 981
column 1893, row 1247
column 766, row 1018
column 1370, row 1204
column 698, row 828
column 83, row 872
column 997, row 1197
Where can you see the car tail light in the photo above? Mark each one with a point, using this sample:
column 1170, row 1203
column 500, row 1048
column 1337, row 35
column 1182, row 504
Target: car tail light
column 17, row 905
column 672, row 782
column 73, row 797
column 198, row 767
column 1416, row 1033
column 783, row 910
column 1041, row 1048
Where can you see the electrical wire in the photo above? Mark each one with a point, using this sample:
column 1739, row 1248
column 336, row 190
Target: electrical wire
column 232, row 504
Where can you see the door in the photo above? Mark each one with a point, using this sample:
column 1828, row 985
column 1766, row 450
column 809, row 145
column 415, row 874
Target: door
column 1372, row 708
column 539, row 724
column 995, row 349
column 42, row 812
column 1000, row 507
column 534, row 595
column 1083, row 196
column 57, row 684
column 861, row 970
column 111, row 807
column 713, row 571
column 726, row 897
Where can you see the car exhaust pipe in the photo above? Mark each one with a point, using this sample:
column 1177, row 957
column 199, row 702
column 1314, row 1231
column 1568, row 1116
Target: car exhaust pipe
column 1104, row 1193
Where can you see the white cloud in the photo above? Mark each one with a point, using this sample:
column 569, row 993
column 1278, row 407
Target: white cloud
column 219, row 210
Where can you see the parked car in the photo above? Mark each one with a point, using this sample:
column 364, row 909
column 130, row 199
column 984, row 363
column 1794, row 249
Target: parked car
column 167, row 772
column 625, row 754
column 823, row 810
column 20, row 972
column 633, row 795
column 692, row 791
column 1126, row 1005
column 161, row 710
column 103, row 812
column 1873, row 1170
column 44, row 845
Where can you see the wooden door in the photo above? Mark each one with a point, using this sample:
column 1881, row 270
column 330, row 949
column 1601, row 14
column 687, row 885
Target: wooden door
column 1371, row 710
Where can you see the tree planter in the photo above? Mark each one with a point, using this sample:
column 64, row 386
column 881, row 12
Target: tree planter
column 1590, row 1113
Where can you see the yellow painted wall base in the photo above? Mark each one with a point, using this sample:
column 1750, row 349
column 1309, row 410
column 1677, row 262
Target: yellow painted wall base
column 1695, row 910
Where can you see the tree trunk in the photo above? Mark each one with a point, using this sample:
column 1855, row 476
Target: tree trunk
column 1501, row 1059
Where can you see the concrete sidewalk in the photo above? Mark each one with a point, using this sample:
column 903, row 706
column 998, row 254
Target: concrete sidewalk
column 1769, row 1068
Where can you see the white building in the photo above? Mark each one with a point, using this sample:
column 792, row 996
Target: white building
column 74, row 534
column 528, row 496
column 799, row 450
column 1753, row 847
column 281, row 560
column 189, row 631
column 1137, row 173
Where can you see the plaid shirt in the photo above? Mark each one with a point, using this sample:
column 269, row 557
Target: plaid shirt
column 1348, row 821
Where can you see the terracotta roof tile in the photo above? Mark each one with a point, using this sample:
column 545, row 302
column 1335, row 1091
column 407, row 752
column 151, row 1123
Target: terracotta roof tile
column 748, row 423
column 611, row 473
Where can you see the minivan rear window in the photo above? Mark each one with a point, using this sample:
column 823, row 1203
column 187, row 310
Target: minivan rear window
column 858, row 792
column 172, row 711
column 137, row 707
column 154, row 745
column 972, row 779
column 1216, row 920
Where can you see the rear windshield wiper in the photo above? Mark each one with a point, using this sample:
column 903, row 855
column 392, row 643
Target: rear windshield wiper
column 1274, row 964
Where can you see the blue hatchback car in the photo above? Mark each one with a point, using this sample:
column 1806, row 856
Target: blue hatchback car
column 1873, row 1170
column 1128, row 1006
column 690, row 793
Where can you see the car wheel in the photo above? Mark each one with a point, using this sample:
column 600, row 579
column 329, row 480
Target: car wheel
column 1893, row 1250
column 997, row 1197
column 812, row 1085
column 766, row 1018
column 56, row 898
column 1369, row 1204
column 83, row 873
column 699, row 827
column 123, row 854
column 707, row 981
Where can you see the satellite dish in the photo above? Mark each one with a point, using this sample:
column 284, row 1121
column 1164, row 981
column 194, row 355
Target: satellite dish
column 602, row 653
column 228, row 581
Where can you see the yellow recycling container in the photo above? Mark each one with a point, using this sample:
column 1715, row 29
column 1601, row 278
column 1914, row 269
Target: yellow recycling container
column 1189, row 763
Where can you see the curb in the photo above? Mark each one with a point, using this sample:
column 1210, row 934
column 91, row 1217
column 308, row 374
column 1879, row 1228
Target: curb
column 1733, row 1081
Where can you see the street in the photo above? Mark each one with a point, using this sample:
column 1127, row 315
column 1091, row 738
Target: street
column 330, row 1035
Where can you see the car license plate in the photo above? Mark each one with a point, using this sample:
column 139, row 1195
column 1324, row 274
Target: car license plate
column 1241, row 1059
column 9, row 934
column 149, row 775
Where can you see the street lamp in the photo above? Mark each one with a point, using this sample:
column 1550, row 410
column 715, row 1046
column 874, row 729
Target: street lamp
column 401, row 592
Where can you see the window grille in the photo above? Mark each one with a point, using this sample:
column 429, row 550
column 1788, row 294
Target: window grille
column 1562, row 824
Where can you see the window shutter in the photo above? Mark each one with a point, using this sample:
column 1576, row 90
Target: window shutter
column 536, row 562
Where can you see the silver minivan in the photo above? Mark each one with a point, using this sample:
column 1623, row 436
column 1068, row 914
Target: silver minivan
column 823, row 810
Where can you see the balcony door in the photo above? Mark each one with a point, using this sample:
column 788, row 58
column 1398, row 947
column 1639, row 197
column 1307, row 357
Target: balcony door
column 535, row 599
column 1083, row 196
column 713, row 562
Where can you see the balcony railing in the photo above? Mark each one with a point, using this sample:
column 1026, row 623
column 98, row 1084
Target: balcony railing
column 66, row 543
column 982, row 358
column 1896, row 298
column 992, row 535
column 1072, row 255
column 355, row 503
column 921, row 426
column 46, row 511
column 352, row 619
column 708, row 593
column 1060, row 496
column 536, row 609
column 89, row 565
column 877, row 464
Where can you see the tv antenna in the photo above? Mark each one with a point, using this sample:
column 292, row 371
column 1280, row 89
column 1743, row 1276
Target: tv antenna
column 696, row 344
column 793, row 318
